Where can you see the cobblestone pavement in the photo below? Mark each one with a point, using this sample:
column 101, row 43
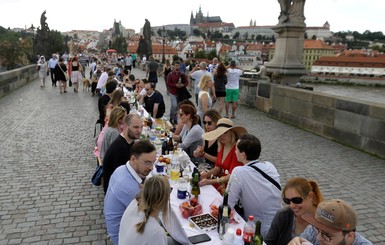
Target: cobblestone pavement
column 47, row 162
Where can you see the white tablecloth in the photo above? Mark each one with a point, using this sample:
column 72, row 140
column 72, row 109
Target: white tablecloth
column 179, row 227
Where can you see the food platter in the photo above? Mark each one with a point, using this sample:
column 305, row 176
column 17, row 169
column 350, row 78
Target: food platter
column 204, row 222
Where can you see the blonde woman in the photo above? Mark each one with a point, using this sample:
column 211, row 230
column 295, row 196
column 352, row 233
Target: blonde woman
column 114, row 128
column 140, row 221
column 227, row 135
column 204, row 100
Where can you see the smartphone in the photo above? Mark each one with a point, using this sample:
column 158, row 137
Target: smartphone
column 199, row 238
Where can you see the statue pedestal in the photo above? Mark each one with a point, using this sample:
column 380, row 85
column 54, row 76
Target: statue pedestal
column 286, row 66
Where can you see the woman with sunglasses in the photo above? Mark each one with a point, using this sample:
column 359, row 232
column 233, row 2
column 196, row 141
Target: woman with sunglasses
column 302, row 197
column 191, row 135
column 209, row 150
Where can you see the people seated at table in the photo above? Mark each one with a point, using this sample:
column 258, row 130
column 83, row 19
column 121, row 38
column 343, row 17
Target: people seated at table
column 119, row 152
column 125, row 183
column 141, row 91
column 334, row 222
column 302, row 196
column 191, row 135
column 204, row 99
column 259, row 193
column 140, row 222
column 115, row 127
column 209, row 149
column 116, row 97
column 179, row 125
column 227, row 135
column 153, row 101
column 104, row 100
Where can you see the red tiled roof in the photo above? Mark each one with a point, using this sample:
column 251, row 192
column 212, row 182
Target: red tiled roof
column 351, row 61
column 316, row 44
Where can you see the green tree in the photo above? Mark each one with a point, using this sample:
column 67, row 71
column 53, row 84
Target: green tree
column 120, row 44
column 236, row 35
column 212, row 54
column 197, row 32
column 200, row 55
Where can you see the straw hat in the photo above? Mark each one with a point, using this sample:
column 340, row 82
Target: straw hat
column 223, row 125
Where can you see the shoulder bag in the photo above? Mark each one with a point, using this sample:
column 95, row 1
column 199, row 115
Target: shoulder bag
column 238, row 206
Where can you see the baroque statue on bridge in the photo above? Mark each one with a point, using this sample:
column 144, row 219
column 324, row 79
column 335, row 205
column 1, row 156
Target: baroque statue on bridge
column 292, row 11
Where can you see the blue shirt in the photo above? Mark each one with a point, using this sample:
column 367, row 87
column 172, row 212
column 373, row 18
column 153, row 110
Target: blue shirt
column 310, row 234
column 123, row 186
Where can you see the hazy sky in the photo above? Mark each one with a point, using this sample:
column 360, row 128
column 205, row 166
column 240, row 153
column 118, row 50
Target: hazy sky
column 342, row 15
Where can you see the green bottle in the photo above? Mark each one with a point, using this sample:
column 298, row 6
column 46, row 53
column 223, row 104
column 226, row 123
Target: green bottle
column 195, row 189
column 257, row 237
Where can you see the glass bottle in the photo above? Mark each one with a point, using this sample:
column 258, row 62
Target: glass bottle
column 220, row 208
column 170, row 145
column 224, row 222
column 195, row 189
column 257, row 237
column 175, row 167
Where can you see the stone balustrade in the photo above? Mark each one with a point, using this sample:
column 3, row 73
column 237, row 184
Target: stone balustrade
column 348, row 121
column 14, row 79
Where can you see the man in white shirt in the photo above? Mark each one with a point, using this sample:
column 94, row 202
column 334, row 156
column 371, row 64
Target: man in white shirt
column 102, row 80
column 259, row 195
column 232, row 88
column 196, row 75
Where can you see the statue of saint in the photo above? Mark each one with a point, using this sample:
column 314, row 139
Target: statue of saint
column 291, row 11
column 147, row 30
column 43, row 19
column 297, row 9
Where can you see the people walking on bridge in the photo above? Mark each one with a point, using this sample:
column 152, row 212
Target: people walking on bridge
column 52, row 64
column 59, row 74
column 42, row 68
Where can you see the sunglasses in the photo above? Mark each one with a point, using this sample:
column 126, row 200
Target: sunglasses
column 295, row 200
column 207, row 122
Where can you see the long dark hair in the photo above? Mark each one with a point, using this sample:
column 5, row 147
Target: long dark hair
column 221, row 70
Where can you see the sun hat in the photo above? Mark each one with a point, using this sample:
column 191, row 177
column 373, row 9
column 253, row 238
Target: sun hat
column 333, row 216
column 223, row 125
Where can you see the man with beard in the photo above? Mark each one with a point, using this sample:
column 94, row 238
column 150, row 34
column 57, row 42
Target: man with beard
column 334, row 223
column 119, row 152
column 125, row 184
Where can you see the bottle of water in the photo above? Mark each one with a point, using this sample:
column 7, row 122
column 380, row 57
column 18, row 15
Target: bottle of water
column 238, row 239
column 248, row 230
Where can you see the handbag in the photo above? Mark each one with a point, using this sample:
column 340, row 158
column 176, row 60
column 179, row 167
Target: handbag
column 97, row 177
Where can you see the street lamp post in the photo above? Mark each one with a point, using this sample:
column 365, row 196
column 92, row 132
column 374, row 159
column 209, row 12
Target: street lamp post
column 164, row 39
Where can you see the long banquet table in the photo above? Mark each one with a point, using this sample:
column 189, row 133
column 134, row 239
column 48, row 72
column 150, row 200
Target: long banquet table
column 179, row 228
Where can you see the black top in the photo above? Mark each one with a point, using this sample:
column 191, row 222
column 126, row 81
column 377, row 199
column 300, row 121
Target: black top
column 59, row 75
column 281, row 228
column 220, row 83
column 117, row 154
column 102, row 103
column 156, row 98
column 212, row 150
